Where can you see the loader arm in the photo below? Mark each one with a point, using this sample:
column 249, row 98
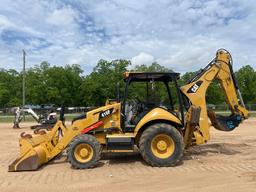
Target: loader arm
column 41, row 147
column 219, row 69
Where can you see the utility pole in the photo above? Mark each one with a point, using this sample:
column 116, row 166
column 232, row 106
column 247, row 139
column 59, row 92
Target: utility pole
column 23, row 82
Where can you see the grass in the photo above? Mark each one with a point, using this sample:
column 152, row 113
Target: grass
column 253, row 115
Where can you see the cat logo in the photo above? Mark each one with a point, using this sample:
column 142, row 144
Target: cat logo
column 105, row 113
column 195, row 87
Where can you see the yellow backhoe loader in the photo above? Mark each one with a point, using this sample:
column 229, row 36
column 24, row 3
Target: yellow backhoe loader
column 160, row 130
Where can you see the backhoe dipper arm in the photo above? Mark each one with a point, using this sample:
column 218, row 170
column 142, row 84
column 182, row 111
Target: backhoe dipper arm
column 32, row 113
column 18, row 117
column 219, row 69
column 229, row 84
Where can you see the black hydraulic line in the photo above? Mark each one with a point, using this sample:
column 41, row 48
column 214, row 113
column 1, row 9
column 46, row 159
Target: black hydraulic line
column 199, row 73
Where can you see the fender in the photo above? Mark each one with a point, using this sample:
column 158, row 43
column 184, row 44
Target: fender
column 157, row 114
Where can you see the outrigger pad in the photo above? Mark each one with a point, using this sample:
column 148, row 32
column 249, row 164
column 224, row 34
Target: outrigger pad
column 224, row 123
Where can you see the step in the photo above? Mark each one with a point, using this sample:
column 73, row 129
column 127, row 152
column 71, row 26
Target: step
column 120, row 142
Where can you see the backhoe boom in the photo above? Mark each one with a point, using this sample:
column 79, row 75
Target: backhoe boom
column 219, row 69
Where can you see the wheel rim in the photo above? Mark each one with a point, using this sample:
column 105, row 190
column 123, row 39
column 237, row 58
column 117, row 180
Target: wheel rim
column 83, row 153
column 162, row 146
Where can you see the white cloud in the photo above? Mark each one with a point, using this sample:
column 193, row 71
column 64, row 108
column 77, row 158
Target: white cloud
column 142, row 58
column 62, row 17
column 5, row 23
column 182, row 35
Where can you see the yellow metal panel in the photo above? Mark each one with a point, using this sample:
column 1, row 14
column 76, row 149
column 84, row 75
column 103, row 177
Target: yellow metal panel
column 101, row 138
column 93, row 117
column 156, row 114
column 198, row 99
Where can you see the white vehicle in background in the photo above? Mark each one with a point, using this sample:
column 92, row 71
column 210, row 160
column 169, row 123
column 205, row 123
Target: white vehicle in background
column 45, row 122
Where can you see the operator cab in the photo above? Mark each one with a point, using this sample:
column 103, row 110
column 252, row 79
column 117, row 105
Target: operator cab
column 146, row 91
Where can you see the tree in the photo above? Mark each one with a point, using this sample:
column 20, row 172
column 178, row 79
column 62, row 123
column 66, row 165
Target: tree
column 10, row 88
column 54, row 85
column 101, row 83
column 246, row 77
column 47, row 84
column 63, row 85
column 154, row 67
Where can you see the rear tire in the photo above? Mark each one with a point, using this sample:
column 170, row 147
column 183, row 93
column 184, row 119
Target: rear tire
column 84, row 152
column 161, row 145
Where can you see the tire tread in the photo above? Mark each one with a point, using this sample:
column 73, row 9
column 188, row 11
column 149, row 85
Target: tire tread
column 96, row 148
column 146, row 153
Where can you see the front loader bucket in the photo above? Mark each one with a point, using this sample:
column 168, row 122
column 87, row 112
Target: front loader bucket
column 33, row 153
column 27, row 163
column 224, row 123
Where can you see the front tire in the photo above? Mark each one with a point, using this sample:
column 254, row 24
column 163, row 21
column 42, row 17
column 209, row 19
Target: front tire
column 161, row 145
column 84, row 152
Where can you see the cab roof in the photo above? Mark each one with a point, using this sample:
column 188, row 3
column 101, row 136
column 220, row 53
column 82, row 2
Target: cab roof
column 148, row 76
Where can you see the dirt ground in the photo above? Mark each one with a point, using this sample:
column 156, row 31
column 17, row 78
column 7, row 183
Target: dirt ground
column 227, row 163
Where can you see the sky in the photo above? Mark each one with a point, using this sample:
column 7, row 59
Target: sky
column 181, row 35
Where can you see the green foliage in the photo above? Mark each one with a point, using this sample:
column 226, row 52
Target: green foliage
column 246, row 77
column 10, row 88
column 101, row 83
column 46, row 84
column 159, row 92
column 214, row 94
column 154, row 67
column 55, row 85
column 187, row 76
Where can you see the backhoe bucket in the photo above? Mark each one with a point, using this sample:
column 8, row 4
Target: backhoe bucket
column 33, row 153
column 224, row 123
